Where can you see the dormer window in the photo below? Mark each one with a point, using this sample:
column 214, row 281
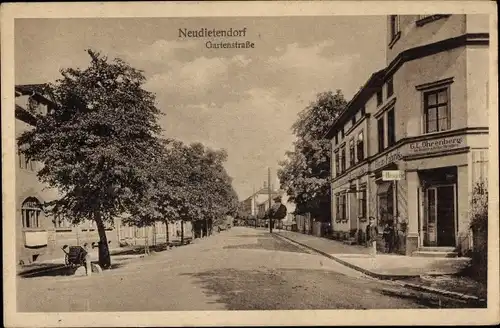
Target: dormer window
column 394, row 29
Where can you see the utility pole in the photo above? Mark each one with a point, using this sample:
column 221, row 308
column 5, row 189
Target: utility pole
column 252, row 211
column 269, row 192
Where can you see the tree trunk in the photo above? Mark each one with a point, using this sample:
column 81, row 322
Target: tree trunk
column 167, row 232
column 182, row 232
column 104, row 256
column 146, row 240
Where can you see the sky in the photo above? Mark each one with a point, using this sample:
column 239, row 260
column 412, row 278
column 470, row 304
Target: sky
column 241, row 100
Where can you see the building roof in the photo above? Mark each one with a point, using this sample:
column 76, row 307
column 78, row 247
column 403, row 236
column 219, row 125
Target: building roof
column 24, row 115
column 29, row 89
column 367, row 90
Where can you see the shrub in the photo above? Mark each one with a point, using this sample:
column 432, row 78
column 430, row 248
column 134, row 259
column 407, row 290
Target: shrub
column 479, row 225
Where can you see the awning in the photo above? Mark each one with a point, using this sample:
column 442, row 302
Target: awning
column 383, row 188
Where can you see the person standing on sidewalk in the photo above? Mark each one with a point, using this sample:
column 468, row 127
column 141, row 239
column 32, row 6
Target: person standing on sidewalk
column 389, row 238
column 371, row 236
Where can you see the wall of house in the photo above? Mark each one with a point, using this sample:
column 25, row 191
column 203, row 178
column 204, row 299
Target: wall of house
column 409, row 104
column 477, row 77
column 414, row 36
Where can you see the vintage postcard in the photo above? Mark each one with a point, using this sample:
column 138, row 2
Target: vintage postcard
column 250, row 163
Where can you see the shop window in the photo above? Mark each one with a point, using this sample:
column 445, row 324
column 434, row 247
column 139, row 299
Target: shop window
column 390, row 87
column 381, row 133
column 391, row 127
column 380, row 97
column 436, row 111
column 362, row 204
column 352, row 158
column 30, row 213
column 360, row 151
column 342, row 159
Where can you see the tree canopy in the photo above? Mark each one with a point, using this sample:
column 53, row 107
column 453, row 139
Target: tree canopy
column 305, row 173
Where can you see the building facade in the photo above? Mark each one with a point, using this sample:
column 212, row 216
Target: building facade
column 425, row 118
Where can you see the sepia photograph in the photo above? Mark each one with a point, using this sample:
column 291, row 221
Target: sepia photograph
column 264, row 162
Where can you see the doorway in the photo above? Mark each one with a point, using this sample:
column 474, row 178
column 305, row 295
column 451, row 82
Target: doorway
column 440, row 215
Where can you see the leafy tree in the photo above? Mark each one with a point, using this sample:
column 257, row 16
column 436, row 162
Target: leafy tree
column 187, row 183
column 95, row 142
column 305, row 174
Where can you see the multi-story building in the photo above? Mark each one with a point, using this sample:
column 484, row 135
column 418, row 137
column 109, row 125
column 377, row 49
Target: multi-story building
column 424, row 115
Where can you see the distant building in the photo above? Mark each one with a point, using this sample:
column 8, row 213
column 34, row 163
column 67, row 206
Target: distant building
column 425, row 114
column 257, row 204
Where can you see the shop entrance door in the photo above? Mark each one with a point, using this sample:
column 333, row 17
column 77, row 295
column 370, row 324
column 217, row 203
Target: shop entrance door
column 439, row 226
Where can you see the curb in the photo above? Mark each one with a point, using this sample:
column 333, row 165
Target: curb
column 394, row 278
column 347, row 264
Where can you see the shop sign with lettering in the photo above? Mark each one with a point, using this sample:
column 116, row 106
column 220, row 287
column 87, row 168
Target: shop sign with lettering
column 360, row 171
column 442, row 144
column 389, row 158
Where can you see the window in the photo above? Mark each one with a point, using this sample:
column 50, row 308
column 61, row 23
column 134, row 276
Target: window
column 380, row 99
column 363, row 111
column 353, row 120
column 394, row 26
column 380, row 129
column 362, row 204
column 360, row 147
column 337, row 164
column 61, row 223
column 391, row 133
column 340, row 201
column 390, row 87
column 342, row 159
column 342, row 134
column 26, row 163
column 436, row 111
column 352, row 158
column 336, row 139
column 30, row 213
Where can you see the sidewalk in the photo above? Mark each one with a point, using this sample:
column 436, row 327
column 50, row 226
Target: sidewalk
column 438, row 275
column 117, row 254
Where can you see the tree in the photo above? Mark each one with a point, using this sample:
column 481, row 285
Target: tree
column 478, row 215
column 95, row 142
column 305, row 173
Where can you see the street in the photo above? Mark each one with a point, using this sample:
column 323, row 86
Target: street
column 239, row 269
